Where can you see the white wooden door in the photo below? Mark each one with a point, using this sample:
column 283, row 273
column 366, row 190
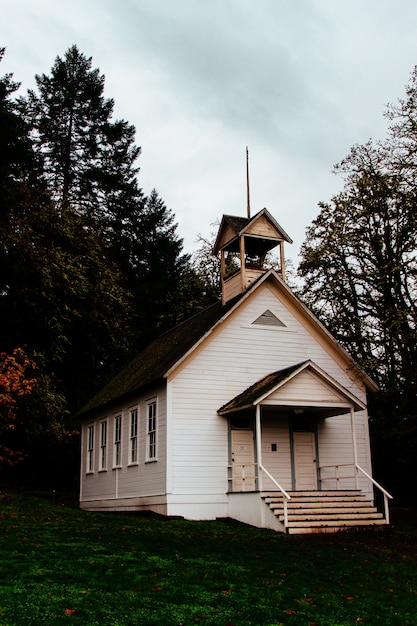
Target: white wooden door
column 305, row 460
column 243, row 460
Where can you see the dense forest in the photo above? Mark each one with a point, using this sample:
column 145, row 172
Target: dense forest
column 92, row 269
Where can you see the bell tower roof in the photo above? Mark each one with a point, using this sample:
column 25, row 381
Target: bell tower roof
column 243, row 243
column 262, row 227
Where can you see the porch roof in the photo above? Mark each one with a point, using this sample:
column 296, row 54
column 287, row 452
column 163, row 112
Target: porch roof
column 266, row 386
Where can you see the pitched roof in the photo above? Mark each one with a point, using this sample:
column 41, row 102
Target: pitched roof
column 240, row 225
column 157, row 358
column 251, row 395
column 155, row 361
column 265, row 386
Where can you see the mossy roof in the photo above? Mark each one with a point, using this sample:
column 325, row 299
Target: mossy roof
column 158, row 357
column 259, row 389
column 266, row 385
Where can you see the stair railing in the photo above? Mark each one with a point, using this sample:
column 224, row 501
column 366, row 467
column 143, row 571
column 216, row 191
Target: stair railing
column 286, row 495
column 387, row 496
column 337, row 477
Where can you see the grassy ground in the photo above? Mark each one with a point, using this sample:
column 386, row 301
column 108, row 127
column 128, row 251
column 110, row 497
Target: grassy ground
column 60, row 566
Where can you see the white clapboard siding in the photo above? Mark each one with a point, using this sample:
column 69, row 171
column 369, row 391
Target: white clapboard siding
column 262, row 227
column 127, row 481
column 191, row 472
column 233, row 358
column 307, row 386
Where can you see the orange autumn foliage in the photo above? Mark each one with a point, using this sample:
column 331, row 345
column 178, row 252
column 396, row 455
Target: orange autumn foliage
column 15, row 381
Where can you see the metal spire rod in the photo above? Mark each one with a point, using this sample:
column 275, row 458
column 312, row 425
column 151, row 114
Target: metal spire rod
column 247, row 180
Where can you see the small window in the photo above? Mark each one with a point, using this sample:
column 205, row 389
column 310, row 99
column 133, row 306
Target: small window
column 90, row 448
column 117, row 441
column 103, row 445
column 151, row 430
column 133, row 455
column 303, row 425
column 241, row 423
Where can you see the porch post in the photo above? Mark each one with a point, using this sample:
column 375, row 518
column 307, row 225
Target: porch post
column 242, row 262
column 355, row 452
column 258, row 444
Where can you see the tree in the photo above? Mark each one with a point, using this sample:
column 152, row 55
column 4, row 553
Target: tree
column 169, row 287
column 208, row 265
column 90, row 267
column 359, row 265
column 16, row 380
column 89, row 160
column 60, row 294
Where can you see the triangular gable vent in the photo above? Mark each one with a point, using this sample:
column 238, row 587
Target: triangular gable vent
column 268, row 319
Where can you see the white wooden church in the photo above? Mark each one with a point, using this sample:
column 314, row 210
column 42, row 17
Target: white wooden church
column 249, row 410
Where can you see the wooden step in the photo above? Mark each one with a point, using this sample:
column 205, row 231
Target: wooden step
column 317, row 494
column 339, row 523
column 324, row 511
column 319, row 506
column 327, row 513
column 292, row 519
column 354, row 527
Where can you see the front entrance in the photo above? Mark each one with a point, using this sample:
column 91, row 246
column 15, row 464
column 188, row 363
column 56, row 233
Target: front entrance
column 243, row 460
column 305, row 466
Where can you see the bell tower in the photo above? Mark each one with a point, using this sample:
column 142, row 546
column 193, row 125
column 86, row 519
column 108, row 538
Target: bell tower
column 243, row 243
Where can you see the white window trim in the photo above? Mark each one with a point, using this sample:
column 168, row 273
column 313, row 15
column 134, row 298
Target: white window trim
column 117, row 443
column 104, row 441
column 152, row 435
column 90, row 449
column 133, row 438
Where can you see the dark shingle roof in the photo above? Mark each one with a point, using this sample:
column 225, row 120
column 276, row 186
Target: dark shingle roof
column 154, row 361
column 248, row 397
column 237, row 223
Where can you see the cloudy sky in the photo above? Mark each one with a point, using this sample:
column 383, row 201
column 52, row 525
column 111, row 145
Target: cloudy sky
column 297, row 81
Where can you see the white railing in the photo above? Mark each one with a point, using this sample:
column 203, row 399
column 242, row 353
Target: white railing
column 286, row 496
column 356, row 468
column 387, row 496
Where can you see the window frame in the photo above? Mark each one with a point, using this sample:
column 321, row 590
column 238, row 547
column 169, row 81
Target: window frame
column 152, row 429
column 103, row 446
column 117, row 440
column 90, row 449
column 134, row 436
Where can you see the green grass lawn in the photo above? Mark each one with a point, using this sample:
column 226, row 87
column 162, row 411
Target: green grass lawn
column 59, row 565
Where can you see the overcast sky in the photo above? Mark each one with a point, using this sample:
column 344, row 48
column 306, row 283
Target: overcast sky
column 297, row 81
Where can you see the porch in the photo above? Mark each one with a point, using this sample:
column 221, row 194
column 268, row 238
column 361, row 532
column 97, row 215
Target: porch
column 314, row 511
column 297, row 465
